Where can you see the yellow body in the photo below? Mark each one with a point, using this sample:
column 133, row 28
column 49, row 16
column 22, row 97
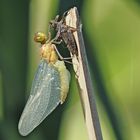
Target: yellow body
column 64, row 78
column 49, row 54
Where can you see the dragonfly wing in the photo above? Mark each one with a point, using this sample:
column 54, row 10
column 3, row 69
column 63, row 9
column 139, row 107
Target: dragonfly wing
column 44, row 98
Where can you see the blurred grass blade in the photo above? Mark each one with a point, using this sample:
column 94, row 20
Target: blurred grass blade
column 1, row 97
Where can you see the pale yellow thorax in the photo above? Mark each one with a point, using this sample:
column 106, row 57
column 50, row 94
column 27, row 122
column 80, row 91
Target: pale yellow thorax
column 48, row 53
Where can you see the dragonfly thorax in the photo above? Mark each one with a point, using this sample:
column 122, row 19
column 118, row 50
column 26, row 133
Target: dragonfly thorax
column 48, row 53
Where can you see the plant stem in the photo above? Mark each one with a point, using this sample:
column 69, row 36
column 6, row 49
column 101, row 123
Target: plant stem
column 81, row 69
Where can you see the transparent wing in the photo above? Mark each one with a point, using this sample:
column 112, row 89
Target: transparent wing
column 44, row 98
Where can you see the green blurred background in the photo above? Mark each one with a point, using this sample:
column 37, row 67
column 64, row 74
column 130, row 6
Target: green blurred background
column 111, row 31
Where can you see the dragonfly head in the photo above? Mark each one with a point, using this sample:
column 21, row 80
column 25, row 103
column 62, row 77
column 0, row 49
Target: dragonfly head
column 40, row 37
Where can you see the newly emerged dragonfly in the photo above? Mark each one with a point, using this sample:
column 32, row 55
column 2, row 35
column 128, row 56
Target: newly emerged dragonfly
column 64, row 33
column 49, row 88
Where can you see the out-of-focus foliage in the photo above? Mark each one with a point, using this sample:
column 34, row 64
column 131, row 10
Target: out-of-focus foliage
column 114, row 29
column 111, row 31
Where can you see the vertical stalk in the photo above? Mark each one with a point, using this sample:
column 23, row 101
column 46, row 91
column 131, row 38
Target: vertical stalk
column 84, row 79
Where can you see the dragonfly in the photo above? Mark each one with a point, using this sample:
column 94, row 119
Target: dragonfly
column 49, row 88
column 64, row 33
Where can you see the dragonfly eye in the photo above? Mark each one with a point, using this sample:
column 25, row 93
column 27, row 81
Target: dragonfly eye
column 40, row 37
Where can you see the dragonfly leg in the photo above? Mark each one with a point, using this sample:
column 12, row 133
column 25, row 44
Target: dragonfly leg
column 49, row 37
column 56, row 41
column 61, row 57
